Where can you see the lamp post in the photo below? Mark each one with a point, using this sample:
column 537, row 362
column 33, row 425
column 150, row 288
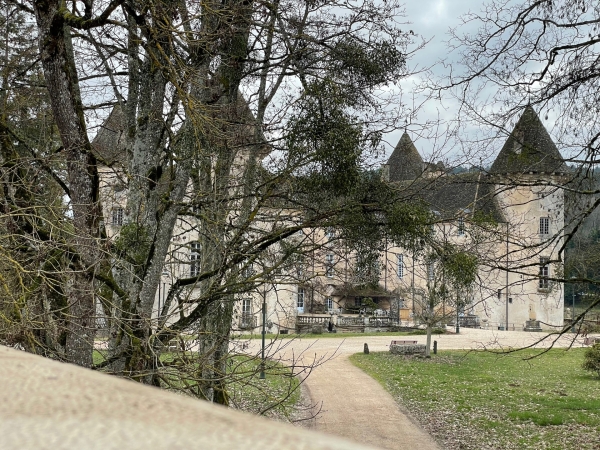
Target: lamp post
column 264, row 322
column 412, row 286
column 573, row 306
column 457, row 317
column 159, row 298
column 507, row 293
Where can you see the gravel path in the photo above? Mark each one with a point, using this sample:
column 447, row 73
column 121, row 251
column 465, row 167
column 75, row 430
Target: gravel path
column 354, row 406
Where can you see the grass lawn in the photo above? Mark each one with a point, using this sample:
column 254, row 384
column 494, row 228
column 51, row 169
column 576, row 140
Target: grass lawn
column 270, row 336
column 480, row 400
column 276, row 396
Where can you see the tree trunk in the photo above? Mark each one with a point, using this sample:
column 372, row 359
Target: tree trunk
column 61, row 79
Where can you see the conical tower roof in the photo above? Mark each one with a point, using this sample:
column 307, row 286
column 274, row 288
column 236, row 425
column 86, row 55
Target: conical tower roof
column 106, row 144
column 405, row 163
column 529, row 148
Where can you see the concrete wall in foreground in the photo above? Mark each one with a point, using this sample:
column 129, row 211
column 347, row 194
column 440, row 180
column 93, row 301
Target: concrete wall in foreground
column 45, row 404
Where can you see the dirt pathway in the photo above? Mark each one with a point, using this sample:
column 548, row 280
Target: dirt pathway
column 355, row 406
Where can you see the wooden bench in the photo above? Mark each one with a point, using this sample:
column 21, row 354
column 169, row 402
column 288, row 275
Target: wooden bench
column 403, row 342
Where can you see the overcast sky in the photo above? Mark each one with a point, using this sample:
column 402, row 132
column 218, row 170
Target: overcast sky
column 432, row 19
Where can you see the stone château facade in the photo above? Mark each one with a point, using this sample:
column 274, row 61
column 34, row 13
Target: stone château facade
column 511, row 217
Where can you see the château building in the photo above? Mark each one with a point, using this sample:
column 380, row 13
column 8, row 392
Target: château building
column 511, row 217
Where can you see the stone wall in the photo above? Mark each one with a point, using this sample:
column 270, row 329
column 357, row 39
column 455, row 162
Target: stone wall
column 49, row 405
column 407, row 349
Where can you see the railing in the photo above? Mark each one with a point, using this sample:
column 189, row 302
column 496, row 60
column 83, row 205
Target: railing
column 589, row 322
column 347, row 321
column 501, row 326
column 307, row 320
column 380, row 321
column 469, row 321
column 248, row 322
column 350, row 321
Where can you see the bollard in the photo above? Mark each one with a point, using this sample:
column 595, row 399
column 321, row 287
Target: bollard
column 434, row 347
column 366, row 349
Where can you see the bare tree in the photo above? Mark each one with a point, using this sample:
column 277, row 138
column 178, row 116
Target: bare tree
column 542, row 54
column 222, row 129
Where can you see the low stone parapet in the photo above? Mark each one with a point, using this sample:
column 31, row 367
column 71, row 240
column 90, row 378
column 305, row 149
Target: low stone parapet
column 407, row 349
column 45, row 401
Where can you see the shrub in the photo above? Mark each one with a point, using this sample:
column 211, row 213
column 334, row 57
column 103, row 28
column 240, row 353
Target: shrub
column 591, row 360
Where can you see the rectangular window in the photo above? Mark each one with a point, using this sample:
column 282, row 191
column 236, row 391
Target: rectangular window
column 329, row 260
column 400, row 266
column 430, row 272
column 247, row 319
column 117, row 216
column 544, row 273
column 330, row 232
column 194, row 259
column 544, row 225
column 300, row 300
column 461, row 226
column 247, row 306
column 329, row 303
column 247, row 271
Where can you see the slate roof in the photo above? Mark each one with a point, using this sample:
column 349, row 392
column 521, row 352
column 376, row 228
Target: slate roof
column 529, row 149
column 108, row 148
column 405, row 163
column 451, row 196
column 106, row 144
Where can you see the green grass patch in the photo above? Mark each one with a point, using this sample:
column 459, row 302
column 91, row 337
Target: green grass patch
column 276, row 395
column 482, row 400
column 98, row 357
column 270, row 336
column 424, row 332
